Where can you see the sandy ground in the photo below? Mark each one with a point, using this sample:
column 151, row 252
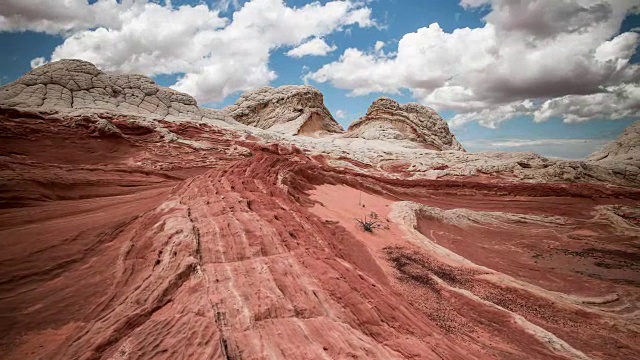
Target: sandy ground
column 517, row 305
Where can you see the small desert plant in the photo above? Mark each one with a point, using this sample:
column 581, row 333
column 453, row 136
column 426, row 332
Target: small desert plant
column 371, row 223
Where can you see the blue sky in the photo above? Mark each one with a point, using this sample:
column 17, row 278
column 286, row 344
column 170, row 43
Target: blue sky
column 560, row 85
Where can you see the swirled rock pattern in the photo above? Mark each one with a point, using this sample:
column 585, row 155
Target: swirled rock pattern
column 128, row 235
column 387, row 119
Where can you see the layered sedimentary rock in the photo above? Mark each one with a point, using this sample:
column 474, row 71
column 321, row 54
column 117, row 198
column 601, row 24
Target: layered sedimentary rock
column 68, row 85
column 387, row 119
column 133, row 236
column 291, row 110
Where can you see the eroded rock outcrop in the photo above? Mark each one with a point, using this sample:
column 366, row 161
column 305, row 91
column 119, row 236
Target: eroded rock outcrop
column 69, row 84
column 622, row 156
column 386, row 119
column 291, row 110
column 625, row 148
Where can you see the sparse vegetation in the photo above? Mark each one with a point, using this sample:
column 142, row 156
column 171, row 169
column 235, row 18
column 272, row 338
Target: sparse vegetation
column 371, row 223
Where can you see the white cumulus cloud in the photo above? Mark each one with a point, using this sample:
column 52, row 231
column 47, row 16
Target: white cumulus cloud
column 315, row 47
column 37, row 62
column 55, row 17
column 616, row 102
column 341, row 114
column 527, row 59
column 216, row 56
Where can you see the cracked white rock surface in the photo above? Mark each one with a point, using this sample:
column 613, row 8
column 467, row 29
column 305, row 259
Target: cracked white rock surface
column 68, row 85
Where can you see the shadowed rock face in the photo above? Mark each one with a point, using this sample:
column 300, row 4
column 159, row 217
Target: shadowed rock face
column 291, row 110
column 386, row 119
column 136, row 236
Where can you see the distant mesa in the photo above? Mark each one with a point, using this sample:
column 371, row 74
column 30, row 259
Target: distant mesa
column 386, row 119
column 290, row 109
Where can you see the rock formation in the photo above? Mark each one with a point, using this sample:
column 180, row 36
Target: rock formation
column 625, row 148
column 68, row 85
column 622, row 156
column 131, row 235
column 386, row 119
column 291, row 110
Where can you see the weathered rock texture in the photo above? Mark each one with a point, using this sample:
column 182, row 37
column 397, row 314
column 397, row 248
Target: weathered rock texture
column 137, row 237
column 625, row 148
column 387, row 119
column 75, row 84
column 622, row 156
column 291, row 110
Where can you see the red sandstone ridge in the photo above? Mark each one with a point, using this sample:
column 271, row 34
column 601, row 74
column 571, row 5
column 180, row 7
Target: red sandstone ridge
column 128, row 235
